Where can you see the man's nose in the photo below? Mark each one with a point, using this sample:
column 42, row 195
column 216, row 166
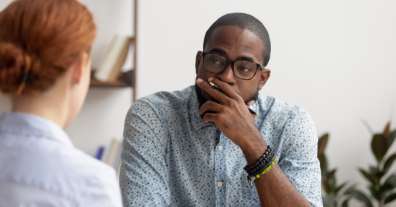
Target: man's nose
column 227, row 75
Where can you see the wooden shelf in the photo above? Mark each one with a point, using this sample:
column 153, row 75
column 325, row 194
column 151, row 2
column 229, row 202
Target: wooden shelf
column 125, row 80
column 102, row 84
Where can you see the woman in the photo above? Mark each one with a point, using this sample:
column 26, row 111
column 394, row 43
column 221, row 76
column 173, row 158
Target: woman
column 45, row 69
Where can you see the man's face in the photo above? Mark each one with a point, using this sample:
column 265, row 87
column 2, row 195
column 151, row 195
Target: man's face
column 234, row 43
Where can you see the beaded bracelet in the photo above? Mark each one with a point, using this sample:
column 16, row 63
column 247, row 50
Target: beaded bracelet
column 263, row 165
column 263, row 162
column 265, row 171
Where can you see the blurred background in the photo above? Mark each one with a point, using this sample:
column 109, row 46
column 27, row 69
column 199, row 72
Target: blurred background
column 336, row 59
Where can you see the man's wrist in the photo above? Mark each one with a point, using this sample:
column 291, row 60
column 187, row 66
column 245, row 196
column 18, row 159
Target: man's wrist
column 253, row 148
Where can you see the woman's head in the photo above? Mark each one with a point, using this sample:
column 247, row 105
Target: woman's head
column 40, row 42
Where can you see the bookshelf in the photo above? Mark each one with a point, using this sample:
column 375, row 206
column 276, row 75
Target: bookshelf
column 126, row 79
column 108, row 84
column 101, row 121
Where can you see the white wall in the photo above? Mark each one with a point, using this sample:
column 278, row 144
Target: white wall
column 335, row 58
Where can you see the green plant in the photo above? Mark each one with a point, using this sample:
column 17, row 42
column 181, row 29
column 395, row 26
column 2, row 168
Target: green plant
column 381, row 182
column 334, row 194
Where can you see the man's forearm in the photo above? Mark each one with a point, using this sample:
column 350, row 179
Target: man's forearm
column 274, row 188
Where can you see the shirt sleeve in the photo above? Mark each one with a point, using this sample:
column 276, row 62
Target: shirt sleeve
column 299, row 156
column 144, row 173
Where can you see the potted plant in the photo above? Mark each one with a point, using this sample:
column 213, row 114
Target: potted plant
column 381, row 186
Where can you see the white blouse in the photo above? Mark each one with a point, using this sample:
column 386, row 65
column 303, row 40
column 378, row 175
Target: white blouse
column 39, row 166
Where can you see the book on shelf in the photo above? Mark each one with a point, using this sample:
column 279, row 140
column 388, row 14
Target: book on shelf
column 114, row 59
column 110, row 154
column 99, row 152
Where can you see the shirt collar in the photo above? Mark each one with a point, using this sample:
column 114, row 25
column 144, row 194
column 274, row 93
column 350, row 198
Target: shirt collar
column 262, row 107
column 32, row 126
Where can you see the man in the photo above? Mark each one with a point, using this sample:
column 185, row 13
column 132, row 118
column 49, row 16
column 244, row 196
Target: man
column 220, row 142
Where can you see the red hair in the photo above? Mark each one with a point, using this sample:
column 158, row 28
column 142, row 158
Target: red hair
column 39, row 40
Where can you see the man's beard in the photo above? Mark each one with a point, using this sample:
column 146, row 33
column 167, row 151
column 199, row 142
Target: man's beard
column 203, row 96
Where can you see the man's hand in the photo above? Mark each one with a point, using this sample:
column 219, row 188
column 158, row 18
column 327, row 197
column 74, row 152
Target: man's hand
column 230, row 114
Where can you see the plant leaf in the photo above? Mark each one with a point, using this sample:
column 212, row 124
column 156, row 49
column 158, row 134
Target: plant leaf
column 379, row 146
column 375, row 191
column 391, row 138
column 390, row 198
column 323, row 163
column 369, row 177
column 386, row 129
column 347, row 194
column 361, row 196
column 332, row 172
column 388, row 162
column 331, row 181
column 329, row 201
column 376, row 173
column 340, row 187
column 391, row 181
column 322, row 143
column 345, row 203
column 384, row 189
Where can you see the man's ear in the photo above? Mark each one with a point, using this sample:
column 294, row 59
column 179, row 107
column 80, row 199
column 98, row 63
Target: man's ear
column 264, row 76
column 198, row 60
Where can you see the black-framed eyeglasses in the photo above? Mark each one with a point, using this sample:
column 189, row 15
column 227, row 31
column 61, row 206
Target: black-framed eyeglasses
column 242, row 68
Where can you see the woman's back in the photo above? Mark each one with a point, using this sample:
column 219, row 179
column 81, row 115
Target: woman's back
column 40, row 166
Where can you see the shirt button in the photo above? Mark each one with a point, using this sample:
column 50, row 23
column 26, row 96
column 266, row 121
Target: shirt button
column 220, row 147
column 219, row 184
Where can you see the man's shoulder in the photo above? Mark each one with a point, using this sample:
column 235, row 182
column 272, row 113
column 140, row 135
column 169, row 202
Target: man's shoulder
column 279, row 110
column 168, row 97
column 164, row 102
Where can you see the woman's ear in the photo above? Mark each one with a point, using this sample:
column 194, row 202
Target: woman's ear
column 198, row 59
column 78, row 68
column 264, row 76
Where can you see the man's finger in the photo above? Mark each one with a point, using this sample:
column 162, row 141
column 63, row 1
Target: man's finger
column 210, row 106
column 226, row 88
column 214, row 93
column 210, row 118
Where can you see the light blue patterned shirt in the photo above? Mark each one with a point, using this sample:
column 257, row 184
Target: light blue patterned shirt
column 172, row 158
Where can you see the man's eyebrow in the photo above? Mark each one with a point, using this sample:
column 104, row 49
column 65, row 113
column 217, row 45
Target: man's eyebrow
column 246, row 58
column 223, row 53
column 217, row 51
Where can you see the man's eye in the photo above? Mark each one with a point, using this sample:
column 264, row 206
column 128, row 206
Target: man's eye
column 243, row 69
column 217, row 62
